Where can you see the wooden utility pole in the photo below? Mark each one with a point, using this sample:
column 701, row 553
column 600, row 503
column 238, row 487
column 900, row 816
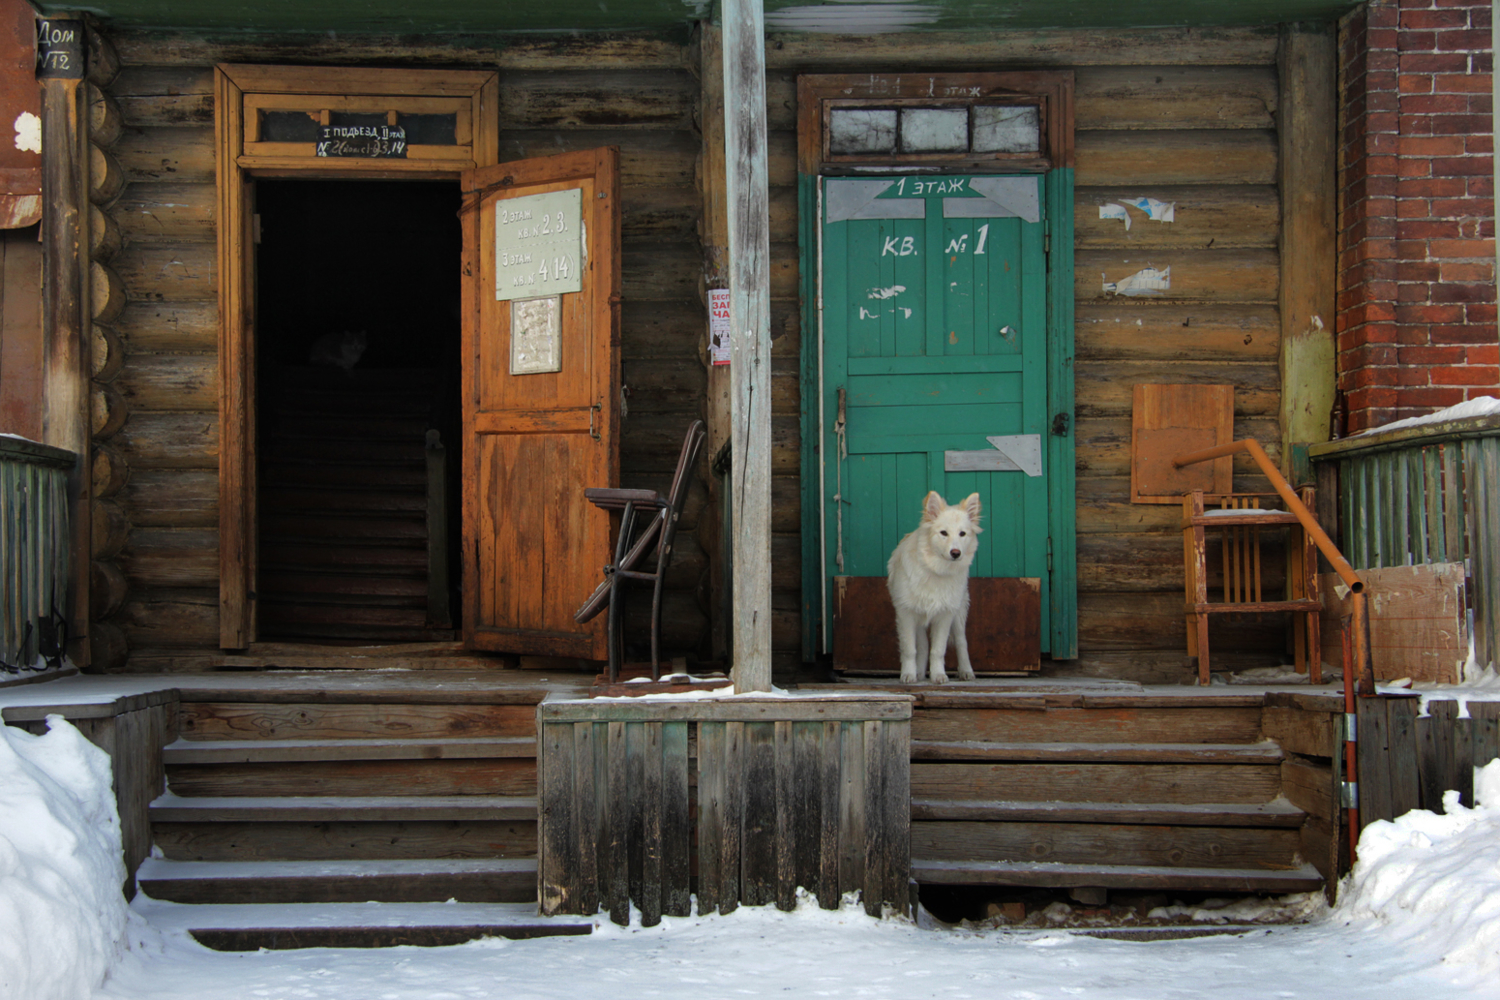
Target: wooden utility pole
column 750, row 324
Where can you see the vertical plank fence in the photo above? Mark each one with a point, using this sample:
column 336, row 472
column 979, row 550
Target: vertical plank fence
column 745, row 800
column 35, row 552
column 1407, row 762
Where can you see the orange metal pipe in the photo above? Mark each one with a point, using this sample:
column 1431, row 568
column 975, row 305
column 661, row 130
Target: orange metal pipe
column 1309, row 523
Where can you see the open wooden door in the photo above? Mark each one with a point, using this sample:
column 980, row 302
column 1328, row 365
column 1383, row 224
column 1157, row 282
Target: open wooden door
column 541, row 378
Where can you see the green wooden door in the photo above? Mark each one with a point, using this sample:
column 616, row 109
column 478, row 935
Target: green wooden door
column 934, row 342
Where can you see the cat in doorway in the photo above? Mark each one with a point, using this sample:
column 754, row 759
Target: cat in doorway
column 340, row 350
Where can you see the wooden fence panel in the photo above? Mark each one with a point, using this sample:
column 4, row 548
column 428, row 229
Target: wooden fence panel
column 1407, row 761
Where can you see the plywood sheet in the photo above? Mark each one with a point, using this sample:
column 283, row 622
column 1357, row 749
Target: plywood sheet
column 1171, row 420
column 1004, row 628
column 1418, row 625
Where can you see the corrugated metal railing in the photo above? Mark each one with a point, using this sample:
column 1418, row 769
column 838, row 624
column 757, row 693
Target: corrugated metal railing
column 34, row 553
column 1426, row 494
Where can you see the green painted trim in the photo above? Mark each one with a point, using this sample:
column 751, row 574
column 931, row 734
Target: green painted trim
column 812, row 577
column 1062, row 505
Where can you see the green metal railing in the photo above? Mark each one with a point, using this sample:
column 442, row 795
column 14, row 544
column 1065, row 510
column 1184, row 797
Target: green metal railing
column 1426, row 494
column 34, row 554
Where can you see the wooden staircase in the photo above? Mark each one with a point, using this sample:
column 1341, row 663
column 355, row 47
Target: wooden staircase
column 1101, row 791
column 349, row 798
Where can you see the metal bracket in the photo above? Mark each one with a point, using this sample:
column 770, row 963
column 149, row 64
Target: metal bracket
column 1013, row 453
column 1349, row 794
column 1351, row 727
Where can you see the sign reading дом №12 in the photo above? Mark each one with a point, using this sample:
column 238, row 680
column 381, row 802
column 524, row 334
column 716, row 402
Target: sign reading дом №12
column 538, row 245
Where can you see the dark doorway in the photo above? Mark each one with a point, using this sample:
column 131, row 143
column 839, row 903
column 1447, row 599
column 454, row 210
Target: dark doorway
column 357, row 368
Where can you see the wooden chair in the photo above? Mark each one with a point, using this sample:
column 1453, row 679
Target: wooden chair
column 1239, row 520
column 636, row 546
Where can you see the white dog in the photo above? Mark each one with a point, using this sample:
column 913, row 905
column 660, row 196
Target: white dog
column 928, row 577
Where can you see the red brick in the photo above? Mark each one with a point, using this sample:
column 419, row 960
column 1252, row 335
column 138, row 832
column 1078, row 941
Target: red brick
column 1417, row 83
column 1482, row 62
column 1482, row 186
column 1377, row 396
column 1483, row 354
column 1465, row 375
column 1463, row 334
column 1450, row 355
column 1431, row 396
column 1406, row 377
column 1459, row 166
column 1462, row 248
column 1430, row 313
column 1463, row 40
column 1434, row 104
column 1435, row 62
column 1417, row 41
column 1415, row 167
column 1468, row 272
column 1461, row 83
column 1437, row 145
column 1450, row 292
column 1480, row 312
column 1413, row 336
column 1418, row 19
column 1461, row 125
column 1428, row 229
column 1433, row 187
column 1457, row 208
column 1483, row 142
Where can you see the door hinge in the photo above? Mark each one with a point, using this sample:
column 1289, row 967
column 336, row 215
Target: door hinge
column 1349, row 794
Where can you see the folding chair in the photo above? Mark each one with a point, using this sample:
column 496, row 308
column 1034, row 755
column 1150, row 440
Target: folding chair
column 634, row 548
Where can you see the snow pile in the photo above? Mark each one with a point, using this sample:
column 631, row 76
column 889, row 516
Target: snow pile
column 62, row 915
column 1483, row 406
column 1433, row 882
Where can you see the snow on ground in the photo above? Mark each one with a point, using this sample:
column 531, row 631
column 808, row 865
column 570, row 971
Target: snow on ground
column 62, row 917
column 1420, row 918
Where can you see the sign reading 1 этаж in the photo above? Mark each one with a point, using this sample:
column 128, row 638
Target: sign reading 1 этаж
column 538, row 241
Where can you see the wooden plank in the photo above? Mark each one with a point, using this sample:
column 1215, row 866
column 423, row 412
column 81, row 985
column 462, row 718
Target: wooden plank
column 1221, row 156
column 1401, row 755
column 557, row 868
column 587, row 804
column 1299, row 731
column 1022, row 873
column 425, row 881
column 1432, row 740
column 1418, row 623
column 514, row 776
column 634, row 806
column 1126, row 844
column 1486, row 731
column 786, row 816
column 211, row 721
column 1274, row 813
column 1098, row 783
column 380, row 936
column 1105, row 389
column 758, row 873
column 803, row 708
column 807, row 800
column 371, row 809
column 732, row 863
column 1210, row 276
column 598, row 98
column 1124, row 328
column 1374, row 761
column 853, row 830
column 896, row 784
column 1455, row 756
column 710, row 814
column 1230, row 216
column 293, row 841
column 876, row 831
column 749, row 308
column 676, row 828
column 1309, row 787
column 653, row 831
column 614, row 839
column 1168, row 420
column 829, row 786
column 1177, row 97
column 1265, row 752
column 1116, row 725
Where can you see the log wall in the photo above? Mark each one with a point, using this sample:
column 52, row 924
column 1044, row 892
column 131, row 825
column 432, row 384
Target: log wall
column 556, row 94
column 1182, row 116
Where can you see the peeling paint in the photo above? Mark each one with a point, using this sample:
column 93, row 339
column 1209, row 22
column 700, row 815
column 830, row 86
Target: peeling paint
column 28, row 132
column 1146, row 281
column 887, row 293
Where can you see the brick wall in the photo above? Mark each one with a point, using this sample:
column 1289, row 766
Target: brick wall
column 1416, row 307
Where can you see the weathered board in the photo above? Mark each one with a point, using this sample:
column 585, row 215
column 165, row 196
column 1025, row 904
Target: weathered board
column 1002, row 626
column 1410, row 761
column 1418, row 621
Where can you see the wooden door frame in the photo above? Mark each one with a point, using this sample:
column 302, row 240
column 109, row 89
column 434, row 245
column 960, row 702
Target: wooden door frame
column 1054, row 90
column 236, row 172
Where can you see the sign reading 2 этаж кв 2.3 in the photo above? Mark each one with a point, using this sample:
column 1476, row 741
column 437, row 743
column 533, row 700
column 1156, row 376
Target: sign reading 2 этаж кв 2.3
column 539, row 245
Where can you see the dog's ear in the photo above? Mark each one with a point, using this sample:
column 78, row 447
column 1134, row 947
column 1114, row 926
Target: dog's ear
column 971, row 507
column 933, row 505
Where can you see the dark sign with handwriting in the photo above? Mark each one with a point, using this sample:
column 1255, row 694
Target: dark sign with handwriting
column 59, row 49
column 361, row 135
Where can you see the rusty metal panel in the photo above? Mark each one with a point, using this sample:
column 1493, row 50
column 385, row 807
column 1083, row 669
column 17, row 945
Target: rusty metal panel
column 20, row 118
column 1004, row 626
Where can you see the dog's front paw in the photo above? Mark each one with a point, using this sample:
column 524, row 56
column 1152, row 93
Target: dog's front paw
column 965, row 672
column 909, row 674
column 938, row 675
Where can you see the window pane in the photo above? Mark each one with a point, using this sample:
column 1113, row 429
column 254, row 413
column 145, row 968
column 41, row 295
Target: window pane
column 1006, row 129
column 935, row 130
column 861, row 131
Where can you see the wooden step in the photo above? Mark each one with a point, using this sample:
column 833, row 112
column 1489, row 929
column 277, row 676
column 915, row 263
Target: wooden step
column 261, row 840
column 169, row 808
column 264, row 751
column 232, row 721
column 250, row 927
column 1094, row 843
column 1097, row 782
column 1264, row 752
column 1302, row 878
column 1279, row 813
column 417, row 777
column 1032, row 721
column 498, row 880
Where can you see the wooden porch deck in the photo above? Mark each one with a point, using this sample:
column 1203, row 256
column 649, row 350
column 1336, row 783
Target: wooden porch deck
column 419, row 786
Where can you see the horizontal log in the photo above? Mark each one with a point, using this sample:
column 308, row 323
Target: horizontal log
column 660, row 272
column 1269, row 850
column 1097, row 783
column 107, row 354
column 178, row 498
column 647, row 158
column 662, row 385
column 107, row 588
column 175, row 273
column 1211, row 276
column 106, row 177
column 662, row 330
column 654, row 213
column 171, row 382
column 107, row 411
column 109, row 470
column 1300, row 731
column 1139, row 562
column 649, row 442
column 176, row 153
column 1168, row 331
column 108, row 647
column 1103, row 388
column 1041, row 49
column 357, row 777
column 1221, row 156
column 1310, row 787
column 170, row 441
column 106, row 293
column 601, row 98
column 1126, row 621
column 781, row 159
column 563, row 51
column 170, row 326
column 1188, row 724
column 1222, row 217
column 786, row 386
column 172, row 557
column 209, row 722
column 150, row 212
column 109, row 529
column 156, row 95
column 104, row 235
column 1174, row 97
column 299, row 841
column 1102, row 448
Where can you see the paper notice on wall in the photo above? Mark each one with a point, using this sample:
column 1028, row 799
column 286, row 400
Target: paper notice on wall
column 1146, row 281
column 718, row 326
column 1156, row 211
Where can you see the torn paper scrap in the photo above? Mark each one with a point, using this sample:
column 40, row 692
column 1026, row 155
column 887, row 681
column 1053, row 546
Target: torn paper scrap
column 1113, row 211
column 1146, row 281
column 1157, row 211
column 886, row 293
